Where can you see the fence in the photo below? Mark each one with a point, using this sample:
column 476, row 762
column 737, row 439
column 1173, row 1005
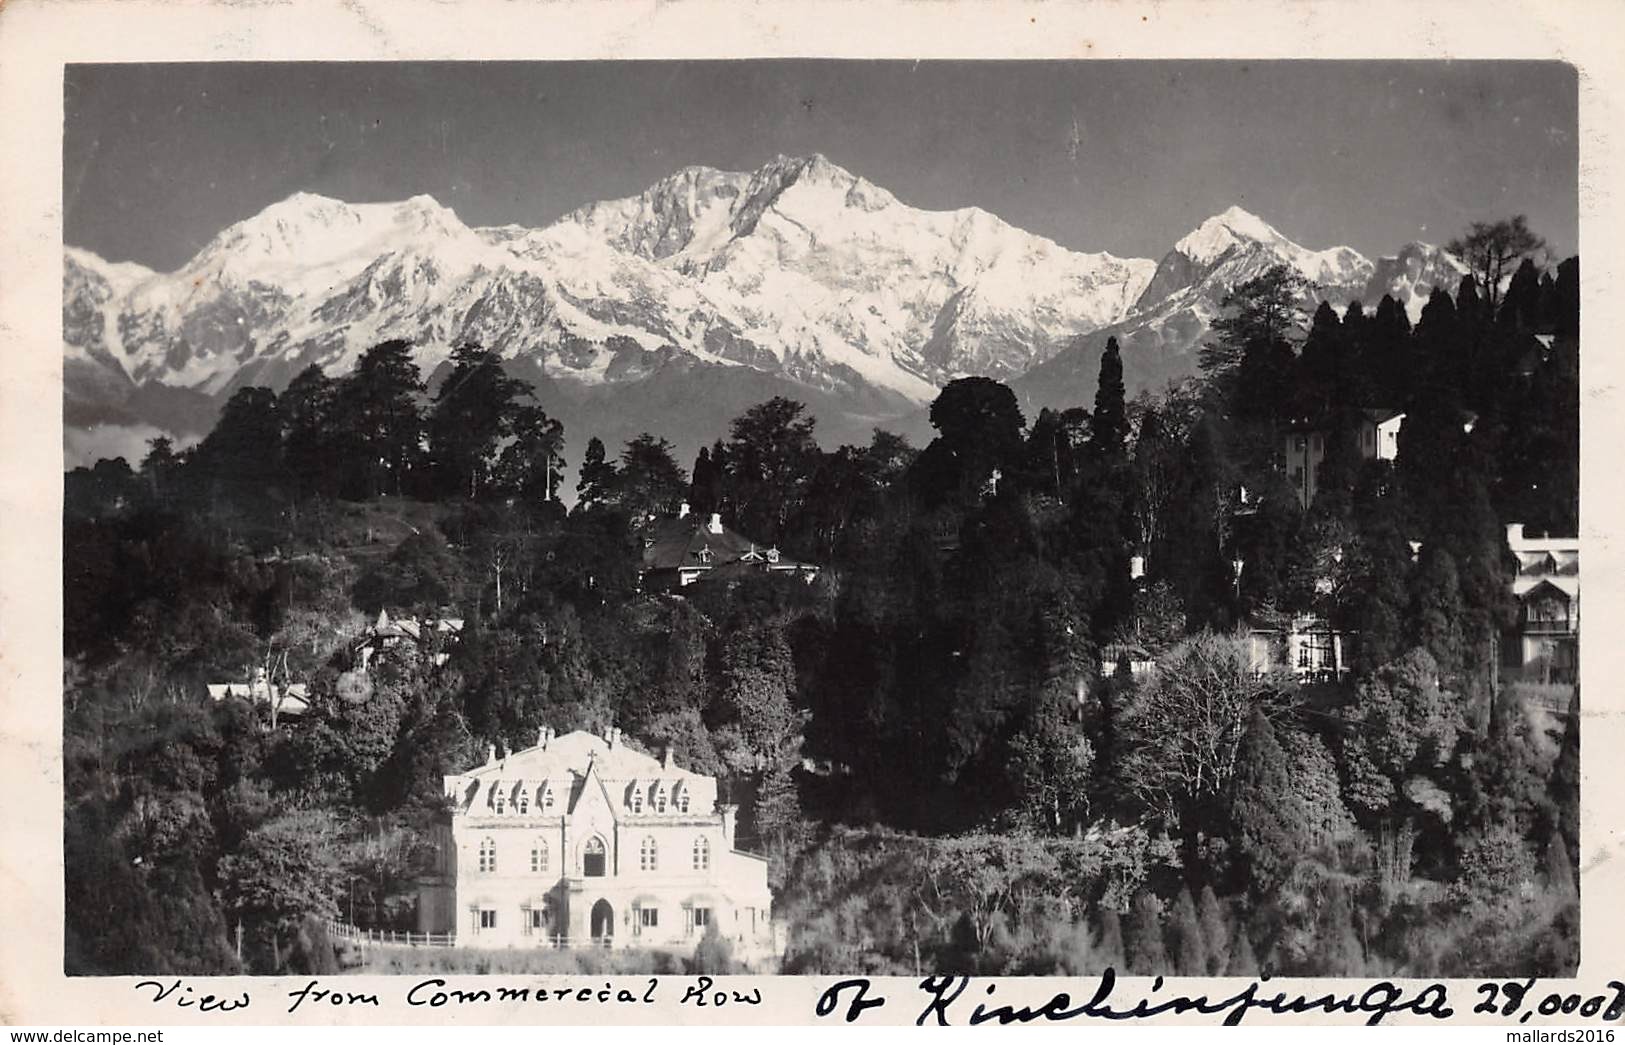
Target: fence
column 388, row 938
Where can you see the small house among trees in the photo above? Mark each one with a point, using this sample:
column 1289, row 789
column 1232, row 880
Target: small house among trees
column 284, row 700
column 1375, row 434
column 1307, row 646
column 689, row 547
column 1545, row 640
column 388, row 633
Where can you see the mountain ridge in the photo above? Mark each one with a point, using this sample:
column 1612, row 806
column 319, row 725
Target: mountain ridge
column 798, row 269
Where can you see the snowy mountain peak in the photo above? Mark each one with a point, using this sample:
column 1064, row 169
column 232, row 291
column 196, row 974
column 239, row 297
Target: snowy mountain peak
column 309, row 239
column 1209, row 240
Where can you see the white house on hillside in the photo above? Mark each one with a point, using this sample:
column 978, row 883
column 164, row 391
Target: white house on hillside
column 1547, row 587
column 581, row 841
column 1376, row 433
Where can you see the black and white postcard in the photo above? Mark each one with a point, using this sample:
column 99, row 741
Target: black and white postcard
column 542, row 514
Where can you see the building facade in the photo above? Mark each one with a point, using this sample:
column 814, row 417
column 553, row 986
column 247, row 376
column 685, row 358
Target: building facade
column 582, row 841
column 1376, row 433
column 1545, row 642
column 1307, row 646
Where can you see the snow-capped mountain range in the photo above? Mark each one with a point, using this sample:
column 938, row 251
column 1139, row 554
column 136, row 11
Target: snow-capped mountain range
column 799, row 273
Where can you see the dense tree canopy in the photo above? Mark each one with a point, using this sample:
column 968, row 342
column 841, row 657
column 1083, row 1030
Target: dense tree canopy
column 1021, row 721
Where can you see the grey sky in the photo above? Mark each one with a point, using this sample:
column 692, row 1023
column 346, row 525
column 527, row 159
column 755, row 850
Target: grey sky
column 1118, row 156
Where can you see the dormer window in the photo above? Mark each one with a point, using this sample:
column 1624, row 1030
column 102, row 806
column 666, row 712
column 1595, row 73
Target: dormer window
column 547, row 797
column 498, row 802
column 521, row 800
column 680, row 798
column 658, row 797
column 634, row 800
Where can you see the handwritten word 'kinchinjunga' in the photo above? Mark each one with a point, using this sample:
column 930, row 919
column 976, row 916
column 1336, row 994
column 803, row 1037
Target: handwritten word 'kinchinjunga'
column 949, row 1001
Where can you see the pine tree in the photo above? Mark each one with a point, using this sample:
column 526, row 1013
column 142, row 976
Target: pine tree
column 1324, row 380
column 1185, row 942
column 1520, row 309
column 1339, row 951
column 705, row 486
column 596, row 486
column 245, row 447
column 1435, row 341
column 378, row 423
column 1436, row 608
column 1146, row 954
column 1267, row 830
column 1563, row 785
column 1216, row 932
column 777, row 813
column 473, row 413
column 1387, row 361
column 1559, row 872
column 1109, row 948
column 1109, row 434
column 308, row 423
column 1242, row 961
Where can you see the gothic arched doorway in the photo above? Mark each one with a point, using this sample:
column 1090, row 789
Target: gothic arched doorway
column 603, row 922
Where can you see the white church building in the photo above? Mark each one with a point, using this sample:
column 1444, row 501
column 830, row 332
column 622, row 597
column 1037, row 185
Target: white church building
column 582, row 841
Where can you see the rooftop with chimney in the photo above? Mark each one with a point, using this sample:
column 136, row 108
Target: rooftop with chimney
column 690, row 547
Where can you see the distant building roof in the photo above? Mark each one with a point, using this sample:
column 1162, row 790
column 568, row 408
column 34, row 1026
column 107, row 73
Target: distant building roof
column 290, row 700
column 692, row 544
column 387, row 627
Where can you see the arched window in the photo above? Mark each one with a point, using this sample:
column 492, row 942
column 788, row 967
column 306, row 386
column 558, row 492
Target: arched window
column 702, row 854
column 521, row 799
column 635, row 799
column 538, row 856
column 592, row 858
column 648, row 854
column 657, row 797
column 488, row 855
column 498, row 801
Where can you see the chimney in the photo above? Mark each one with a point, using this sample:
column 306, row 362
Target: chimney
column 682, row 510
column 1514, row 534
column 729, row 813
column 1136, row 567
column 715, row 525
column 541, row 737
column 615, row 736
column 490, row 754
column 665, row 758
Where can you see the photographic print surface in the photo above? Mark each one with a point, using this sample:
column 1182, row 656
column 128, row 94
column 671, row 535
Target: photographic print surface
column 821, row 517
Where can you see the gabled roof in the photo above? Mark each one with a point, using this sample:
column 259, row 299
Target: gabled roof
column 387, row 627
column 1547, row 586
column 690, row 542
column 570, row 755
